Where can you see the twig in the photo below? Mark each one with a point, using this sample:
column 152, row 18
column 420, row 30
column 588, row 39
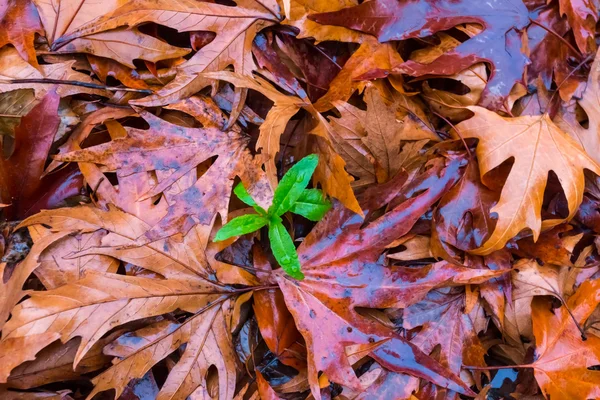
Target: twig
column 457, row 132
column 562, row 39
column 47, row 81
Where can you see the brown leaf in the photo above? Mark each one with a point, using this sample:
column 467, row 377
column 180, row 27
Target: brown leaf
column 330, row 171
column 588, row 138
column 538, row 146
column 265, row 391
column 12, row 66
column 207, row 344
column 19, row 22
column 562, row 357
column 178, row 150
column 88, row 308
column 123, row 46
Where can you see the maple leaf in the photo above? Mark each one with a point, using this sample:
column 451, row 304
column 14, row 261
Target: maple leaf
column 538, row 146
column 562, row 358
column 499, row 44
column 177, row 150
column 19, row 22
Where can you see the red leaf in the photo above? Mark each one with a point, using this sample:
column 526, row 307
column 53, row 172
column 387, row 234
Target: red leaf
column 499, row 44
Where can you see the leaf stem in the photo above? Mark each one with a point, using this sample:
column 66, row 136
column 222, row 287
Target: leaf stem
column 457, row 132
column 48, row 81
column 562, row 39
column 498, row 367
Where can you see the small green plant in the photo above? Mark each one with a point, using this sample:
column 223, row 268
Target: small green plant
column 291, row 195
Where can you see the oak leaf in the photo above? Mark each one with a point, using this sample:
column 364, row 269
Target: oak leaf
column 537, row 146
column 588, row 138
column 343, row 271
column 499, row 44
column 19, row 22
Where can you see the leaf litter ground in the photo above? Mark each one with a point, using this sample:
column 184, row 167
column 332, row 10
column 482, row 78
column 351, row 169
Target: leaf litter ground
column 294, row 199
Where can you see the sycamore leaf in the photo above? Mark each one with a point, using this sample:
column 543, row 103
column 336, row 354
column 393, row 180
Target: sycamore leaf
column 301, row 9
column 22, row 186
column 537, row 146
column 342, row 263
column 207, row 344
column 375, row 143
column 236, row 28
column 582, row 16
column 444, row 322
column 327, row 334
column 12, row 66
column 55, row 364
column 53, row 273
column 370, row 56
column 165, row 257
column 176, row 151
column 562, row 358
column 90, row 307
column 588, row 138
column 124, row 46
column 499, row 44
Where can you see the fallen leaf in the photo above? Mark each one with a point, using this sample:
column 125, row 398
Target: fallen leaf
column 498, row 44
column 19, row 22
column 562, row 358
column 538, row 146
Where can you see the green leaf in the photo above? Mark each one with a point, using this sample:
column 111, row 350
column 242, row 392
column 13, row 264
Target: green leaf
column 292, row 184
column 311, row 204
column 284, row 250
column 240, row 226
column 242, row 194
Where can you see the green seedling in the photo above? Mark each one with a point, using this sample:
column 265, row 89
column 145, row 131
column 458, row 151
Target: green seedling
column 291, row 195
